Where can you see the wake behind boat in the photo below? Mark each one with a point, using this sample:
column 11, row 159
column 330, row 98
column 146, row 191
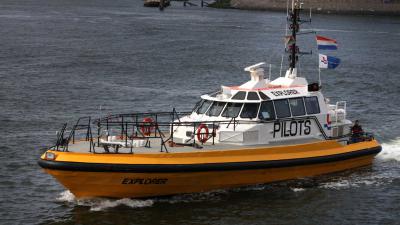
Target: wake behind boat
column 261, row 131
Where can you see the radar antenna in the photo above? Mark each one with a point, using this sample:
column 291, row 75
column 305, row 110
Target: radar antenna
column 294, row 18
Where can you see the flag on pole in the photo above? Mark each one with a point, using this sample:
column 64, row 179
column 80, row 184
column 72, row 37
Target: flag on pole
column 325, row 43
column 328, row 62
column 289, row 40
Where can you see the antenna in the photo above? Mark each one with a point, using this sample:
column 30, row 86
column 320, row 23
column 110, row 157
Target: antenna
column 319, row 77
column 295, row 27
column 287, row 18
column 287, row 9
column 299, row 68
column 269, row 77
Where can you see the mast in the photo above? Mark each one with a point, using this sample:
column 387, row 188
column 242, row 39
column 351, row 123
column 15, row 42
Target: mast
column 294, row 18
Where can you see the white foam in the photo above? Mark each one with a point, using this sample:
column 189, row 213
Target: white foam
column 258, row 187
column 66, row 196
column 377, row 177
column 100, row 204
column 298, row 189
column 373, row 178
column 341, row 184
column 390, row 151
column 354, row 183
column 195, row 197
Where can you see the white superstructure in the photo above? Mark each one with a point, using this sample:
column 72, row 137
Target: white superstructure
column 264, row 112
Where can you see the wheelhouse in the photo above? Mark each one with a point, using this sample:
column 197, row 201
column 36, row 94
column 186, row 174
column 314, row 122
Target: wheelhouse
column 261, row 111
column 256, row 105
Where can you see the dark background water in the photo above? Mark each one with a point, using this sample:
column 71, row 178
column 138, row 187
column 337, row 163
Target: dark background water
column 64, row 59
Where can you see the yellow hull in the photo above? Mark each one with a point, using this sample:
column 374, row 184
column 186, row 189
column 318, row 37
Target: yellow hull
column 257, row 167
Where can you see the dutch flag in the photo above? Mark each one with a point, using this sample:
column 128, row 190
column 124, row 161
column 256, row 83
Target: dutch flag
column 325, row 43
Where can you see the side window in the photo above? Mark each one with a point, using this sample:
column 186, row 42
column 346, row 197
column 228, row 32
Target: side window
column 312, row 105
column 297, row 106
column 267, row 111
column 203, row 108
column 282, row 108
column 232, row 109
column 252, row 96
column 249, row 110
column 240, row 95
column 216, row 109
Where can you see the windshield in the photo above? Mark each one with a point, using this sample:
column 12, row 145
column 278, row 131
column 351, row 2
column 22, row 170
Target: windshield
column 203, row 107
column 232, row 109
column 216, row 109
column 196, row 106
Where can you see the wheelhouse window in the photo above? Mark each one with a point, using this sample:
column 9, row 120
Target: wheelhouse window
column 249, row 110
column 203, row 107
column 263, row 96
column 197, row 105
column 267, row 111
column 216, row 108
column 297, row 106
column 312, row 105
column 282, row 108
column 232, row 109
column 240, row 95
column 252, row 96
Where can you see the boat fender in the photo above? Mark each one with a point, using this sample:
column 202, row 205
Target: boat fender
column 147, row 126
column 202, row 136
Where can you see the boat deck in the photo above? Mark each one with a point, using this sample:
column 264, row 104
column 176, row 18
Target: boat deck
column 154, row 146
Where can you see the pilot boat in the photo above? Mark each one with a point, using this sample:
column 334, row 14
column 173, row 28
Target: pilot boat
column 156, row 3
column 259, row 132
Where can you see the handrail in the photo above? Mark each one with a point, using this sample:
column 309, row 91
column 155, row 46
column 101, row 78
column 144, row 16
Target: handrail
column 133, row 115
column 168, row 120
column 234, row 123
column 60, row 137
column 64, row 142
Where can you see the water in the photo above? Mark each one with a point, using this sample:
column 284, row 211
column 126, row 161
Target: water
column 64, row 59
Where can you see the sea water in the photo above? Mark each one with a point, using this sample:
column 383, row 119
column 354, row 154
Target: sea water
column 61, row 60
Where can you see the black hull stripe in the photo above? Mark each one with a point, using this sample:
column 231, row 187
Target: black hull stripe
column 176, row 168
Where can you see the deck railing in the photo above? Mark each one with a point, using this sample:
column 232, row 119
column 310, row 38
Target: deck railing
column 136, row 126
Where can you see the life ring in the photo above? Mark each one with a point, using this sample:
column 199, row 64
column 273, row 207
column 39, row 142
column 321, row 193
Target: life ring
column 147, row 126
column 202, row 136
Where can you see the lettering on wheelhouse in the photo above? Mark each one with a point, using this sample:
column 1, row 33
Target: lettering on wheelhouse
column 285, row 92
column 292, row 128
column 144, row 181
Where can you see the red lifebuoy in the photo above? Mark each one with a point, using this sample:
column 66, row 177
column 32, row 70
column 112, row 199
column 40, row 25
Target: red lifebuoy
column 202, row 136
column 147, row 126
